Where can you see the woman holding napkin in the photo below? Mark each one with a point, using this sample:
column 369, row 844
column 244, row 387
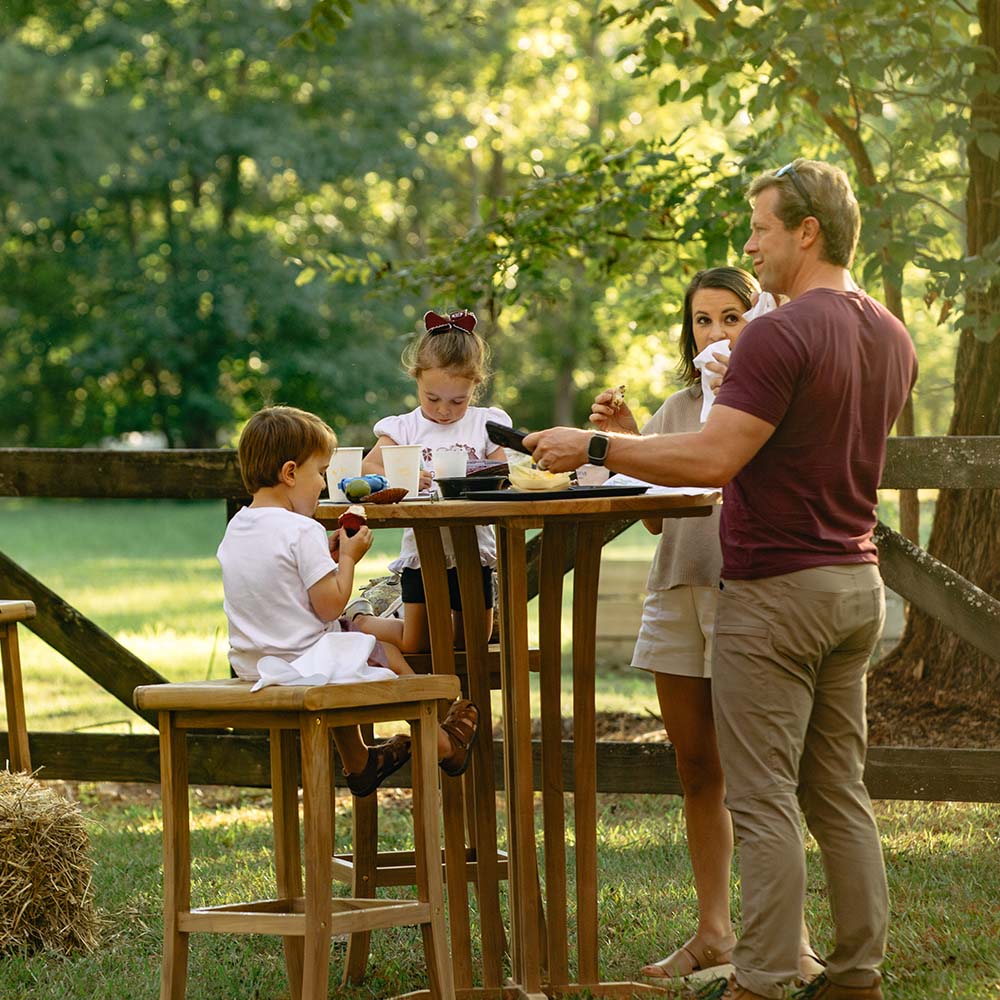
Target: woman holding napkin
column 675, row 638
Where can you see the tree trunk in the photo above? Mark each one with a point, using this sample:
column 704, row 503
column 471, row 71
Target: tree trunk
column 966, row 532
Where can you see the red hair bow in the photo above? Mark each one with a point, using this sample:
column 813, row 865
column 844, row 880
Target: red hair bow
column 461, row 320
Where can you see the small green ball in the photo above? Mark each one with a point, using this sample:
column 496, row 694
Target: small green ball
column 357, row 488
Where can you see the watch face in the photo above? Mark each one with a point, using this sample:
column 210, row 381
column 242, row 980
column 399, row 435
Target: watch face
column 597, row 449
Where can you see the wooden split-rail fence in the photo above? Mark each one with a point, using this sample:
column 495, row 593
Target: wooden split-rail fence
column 222, row 758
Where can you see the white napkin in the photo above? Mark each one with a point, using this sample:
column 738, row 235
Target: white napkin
column 336, row 658
column 707, row 395
column 764, row 304
column 620, row 479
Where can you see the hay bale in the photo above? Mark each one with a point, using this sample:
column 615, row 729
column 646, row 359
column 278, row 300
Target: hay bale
column 46, row 896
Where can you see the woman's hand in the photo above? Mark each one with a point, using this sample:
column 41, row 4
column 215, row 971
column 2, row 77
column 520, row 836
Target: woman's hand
column 606, row 417
column 719, row 367
column 426, row 479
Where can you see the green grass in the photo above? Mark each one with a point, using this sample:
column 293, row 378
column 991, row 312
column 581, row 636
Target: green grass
column 941, row 860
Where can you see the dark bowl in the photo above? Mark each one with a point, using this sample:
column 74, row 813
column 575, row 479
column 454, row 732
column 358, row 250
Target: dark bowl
column 452, row 489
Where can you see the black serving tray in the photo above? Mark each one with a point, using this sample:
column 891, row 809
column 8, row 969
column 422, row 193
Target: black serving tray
column 571, row 493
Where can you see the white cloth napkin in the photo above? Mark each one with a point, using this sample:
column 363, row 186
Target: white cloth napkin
column 336, row 658
column 620, row 479
column 707, row 395
column 764, row 304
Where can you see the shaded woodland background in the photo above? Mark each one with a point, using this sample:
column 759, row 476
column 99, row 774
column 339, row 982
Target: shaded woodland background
column 207, row 206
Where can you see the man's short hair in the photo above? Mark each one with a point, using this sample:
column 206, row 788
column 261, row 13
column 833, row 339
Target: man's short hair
column 830, row 201
column 276, row 435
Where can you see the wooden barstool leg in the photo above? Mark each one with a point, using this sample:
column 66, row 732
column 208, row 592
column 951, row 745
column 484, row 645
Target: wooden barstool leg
column 176, row 857
column 364, row 823
column 318, row 823
column 17, row 725
column 427, row 853
column 287, row 859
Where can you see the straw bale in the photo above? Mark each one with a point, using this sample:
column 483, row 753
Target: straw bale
column 46, row 894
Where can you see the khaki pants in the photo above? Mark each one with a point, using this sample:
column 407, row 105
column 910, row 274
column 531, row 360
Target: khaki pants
column 788, row 690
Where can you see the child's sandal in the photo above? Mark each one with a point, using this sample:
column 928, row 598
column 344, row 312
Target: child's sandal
column 461, row 726
column 384, row 759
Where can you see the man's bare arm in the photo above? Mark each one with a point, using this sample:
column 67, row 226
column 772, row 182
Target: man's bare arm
column 709, row 457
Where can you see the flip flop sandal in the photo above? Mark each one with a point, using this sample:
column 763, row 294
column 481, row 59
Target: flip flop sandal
column 688, row 959
column 461, row 725
column 384, row 759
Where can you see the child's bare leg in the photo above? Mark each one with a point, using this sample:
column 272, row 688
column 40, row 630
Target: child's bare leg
column 387, row 630
column 460, row 627
column 351, row 747
column 411, row 634
column 395, row 660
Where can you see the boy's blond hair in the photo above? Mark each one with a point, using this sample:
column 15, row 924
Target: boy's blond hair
column 279, row 434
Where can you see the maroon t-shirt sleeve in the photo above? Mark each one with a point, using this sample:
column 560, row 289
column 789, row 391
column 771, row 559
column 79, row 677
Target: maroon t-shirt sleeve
column 764, row 370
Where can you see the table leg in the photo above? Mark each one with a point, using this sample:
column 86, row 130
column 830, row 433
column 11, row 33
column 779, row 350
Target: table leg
column 482, row 793
column 518, row 768
column 287, row 859
column 585, row 583
column 434, row 571
column 364, row 852
column 318, row 816
column 550, row 592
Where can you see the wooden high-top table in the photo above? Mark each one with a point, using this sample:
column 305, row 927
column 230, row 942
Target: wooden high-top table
column 573, row 535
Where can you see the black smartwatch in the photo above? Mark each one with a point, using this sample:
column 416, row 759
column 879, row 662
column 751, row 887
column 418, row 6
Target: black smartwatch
column 597, row 450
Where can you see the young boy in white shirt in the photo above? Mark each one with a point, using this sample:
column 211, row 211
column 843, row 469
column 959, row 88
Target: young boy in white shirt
column 286, row 584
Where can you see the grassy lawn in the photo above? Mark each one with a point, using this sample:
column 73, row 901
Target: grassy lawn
column 146, row 572
column 942, row 873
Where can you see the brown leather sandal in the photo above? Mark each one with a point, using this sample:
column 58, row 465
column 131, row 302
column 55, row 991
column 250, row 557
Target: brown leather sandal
column 689, row 958
column 461, row 726
column 384, row 759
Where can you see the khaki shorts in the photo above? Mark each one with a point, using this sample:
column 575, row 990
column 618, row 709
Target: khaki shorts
column 676, row 632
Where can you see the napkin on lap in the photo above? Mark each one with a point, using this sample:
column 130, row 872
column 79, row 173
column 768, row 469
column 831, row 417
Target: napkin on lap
column 337, row 658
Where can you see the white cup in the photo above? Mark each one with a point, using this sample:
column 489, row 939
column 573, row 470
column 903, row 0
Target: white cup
column 345, row 463
column 450, row 463
column 402, row 467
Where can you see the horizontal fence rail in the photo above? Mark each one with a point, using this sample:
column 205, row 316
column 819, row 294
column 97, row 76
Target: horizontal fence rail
column 909, row 773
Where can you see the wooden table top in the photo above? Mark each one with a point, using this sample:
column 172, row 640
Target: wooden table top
column 417, row 513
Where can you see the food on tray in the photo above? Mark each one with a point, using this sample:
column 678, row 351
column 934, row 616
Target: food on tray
column 524, row 477
column 358, row 487
column 352, row 519
column 618, row 398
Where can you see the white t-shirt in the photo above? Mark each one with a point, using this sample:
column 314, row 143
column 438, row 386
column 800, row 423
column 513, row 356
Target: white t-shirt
column 270, row 557
column 468, row 433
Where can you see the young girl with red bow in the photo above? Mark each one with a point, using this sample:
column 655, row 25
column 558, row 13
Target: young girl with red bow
column 450, row 364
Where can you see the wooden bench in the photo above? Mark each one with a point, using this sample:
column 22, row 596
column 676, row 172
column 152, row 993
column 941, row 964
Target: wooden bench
column 12, row 612
column 299, row 721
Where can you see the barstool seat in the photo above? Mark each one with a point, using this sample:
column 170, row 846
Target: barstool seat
column 299, row 721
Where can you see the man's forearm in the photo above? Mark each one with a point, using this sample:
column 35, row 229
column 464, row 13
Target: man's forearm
column 665, row 459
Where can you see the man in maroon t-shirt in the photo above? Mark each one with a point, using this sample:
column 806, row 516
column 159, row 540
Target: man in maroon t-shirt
column 796, row 438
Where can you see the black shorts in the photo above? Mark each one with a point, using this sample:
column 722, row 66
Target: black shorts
column 411, row 586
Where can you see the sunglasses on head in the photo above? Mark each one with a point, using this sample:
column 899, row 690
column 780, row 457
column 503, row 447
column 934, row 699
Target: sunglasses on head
column 788, row 170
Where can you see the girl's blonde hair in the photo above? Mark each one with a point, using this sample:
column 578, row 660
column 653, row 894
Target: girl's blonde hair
column 451, row 343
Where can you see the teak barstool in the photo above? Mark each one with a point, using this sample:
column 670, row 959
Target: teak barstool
column 12, row 612
column 307, row 922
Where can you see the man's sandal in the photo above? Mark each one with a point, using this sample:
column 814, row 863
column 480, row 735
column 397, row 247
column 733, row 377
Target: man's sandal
column 384, row 759
column 690, row 957
column 461, row 726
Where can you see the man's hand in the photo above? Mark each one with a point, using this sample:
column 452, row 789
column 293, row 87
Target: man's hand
column 606, row 417
column 559, row 449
